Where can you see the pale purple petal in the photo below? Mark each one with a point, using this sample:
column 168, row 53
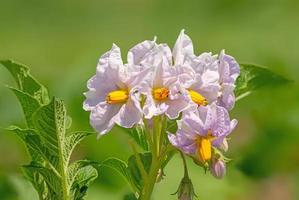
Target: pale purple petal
column 221, row 125
column 182, row 47
column 229, row 68
column 107, row 72
column 128, row 115
column 101, row 117
column 175, row 107
column 227, row 98
column 139, row 52
column 191, row 123
column 180, row 141
column 151, row 107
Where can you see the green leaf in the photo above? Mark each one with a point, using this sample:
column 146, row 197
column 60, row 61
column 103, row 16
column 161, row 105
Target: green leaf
column 72, row 140
column 130, row 196
column 35, row 147
column 38, row 182
column 121, row 167
column 52, row 181
column 48, row 144
column 138, row 134
column 50, row 123
column 28, row 103
column 253, row 77
column 81, row 174
column 26, row 83
column 146, row 159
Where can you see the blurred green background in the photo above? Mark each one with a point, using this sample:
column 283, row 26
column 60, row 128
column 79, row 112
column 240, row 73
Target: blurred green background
column 61, row 40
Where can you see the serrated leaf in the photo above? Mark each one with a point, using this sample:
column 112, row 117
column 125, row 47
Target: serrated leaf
column 72, row 140
column 81, row 174
column 29, row 105
column 138, row 134
column 49, row 121
column 26, row 83
column 52, row 181
column 253, row 77
column 35, row 147
column 146, row 159
column 76, row 166
column 120, row 167
column 37, row 181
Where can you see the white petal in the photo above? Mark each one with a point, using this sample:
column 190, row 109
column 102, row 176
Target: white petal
column 101, row 117
column 182, row 47
column 152, row 108
column 140, row 51
column 97, row 91
column 175, row 107
column 128, row 115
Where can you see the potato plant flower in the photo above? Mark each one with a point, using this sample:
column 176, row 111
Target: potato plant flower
column 167, row 101
column 157, row 87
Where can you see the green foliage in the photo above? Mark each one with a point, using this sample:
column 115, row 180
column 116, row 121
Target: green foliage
column 138, row 134
column 48, row 144
column 253, row 77
column 146, row 159
column 130, row 170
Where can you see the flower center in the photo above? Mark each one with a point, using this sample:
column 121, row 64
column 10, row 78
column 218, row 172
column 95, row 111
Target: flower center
column 204, row 147
column 160, row 93
column 198, row 98
column 117, row 96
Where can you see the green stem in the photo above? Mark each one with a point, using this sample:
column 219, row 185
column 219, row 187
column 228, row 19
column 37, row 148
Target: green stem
column 149, row 184
column 185, row 165
column 139, row 162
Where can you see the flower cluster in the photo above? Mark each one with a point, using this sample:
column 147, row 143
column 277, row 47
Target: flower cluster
column 198, row 91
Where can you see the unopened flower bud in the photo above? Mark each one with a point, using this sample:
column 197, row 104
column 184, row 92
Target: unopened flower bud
column 185, row 190
column 218, row 168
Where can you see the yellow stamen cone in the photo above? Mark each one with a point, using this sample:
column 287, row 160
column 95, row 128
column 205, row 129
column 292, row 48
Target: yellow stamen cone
column 204, row 149
column 198, row 98
column 160, row 93
column 117, row 96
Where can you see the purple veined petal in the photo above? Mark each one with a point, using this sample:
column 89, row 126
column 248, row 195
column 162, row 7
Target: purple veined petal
column 182, row 47
column 128, row 115
column 101, row 117
column 234, row 68
column 180, row 141
column 111, row 59
column 209, row 91
column 164, row 75
column 192, row 124
column 167, row 54
column 227, row 98
column 97, row 91
column 135, row 79
column 175, row 107
column 218, row 142
column 151, row 107
column 139, row 52
column 208, row 115
column 210, row 76
column 207, row 59
column 110, row 67
column 221, row 125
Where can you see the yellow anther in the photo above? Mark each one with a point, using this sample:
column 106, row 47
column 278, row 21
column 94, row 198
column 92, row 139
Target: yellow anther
column 117, row 96
column 160, row 93
column 198, row 98
column 204, row 147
